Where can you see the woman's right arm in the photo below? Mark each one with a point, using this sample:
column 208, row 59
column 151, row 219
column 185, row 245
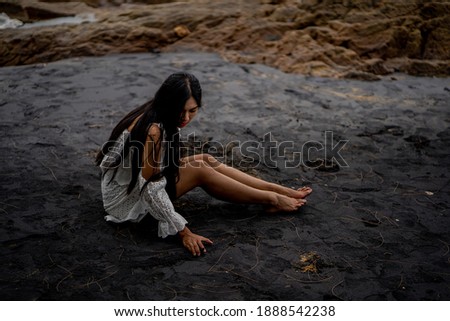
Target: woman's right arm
column 161, row 207
column 158, row 203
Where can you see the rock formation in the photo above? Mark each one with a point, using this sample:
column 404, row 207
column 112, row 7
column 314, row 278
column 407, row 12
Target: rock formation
column 334, row 38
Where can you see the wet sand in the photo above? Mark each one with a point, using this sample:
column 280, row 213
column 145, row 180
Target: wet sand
column 375, row 228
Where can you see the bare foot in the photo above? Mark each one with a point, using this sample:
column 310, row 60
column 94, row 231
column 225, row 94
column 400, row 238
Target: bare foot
column 285, row 204
column 295, row 193
column 303, row 191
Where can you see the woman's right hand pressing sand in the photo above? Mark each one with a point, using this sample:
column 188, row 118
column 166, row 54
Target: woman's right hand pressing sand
column 193, row 242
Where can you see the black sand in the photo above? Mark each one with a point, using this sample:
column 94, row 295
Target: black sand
column 375, row 230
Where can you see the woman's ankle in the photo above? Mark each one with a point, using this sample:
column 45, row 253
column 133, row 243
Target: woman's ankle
column 272, row 198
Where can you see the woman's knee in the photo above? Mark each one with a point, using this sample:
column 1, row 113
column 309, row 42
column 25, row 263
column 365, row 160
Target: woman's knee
column 202, row 157
column 209, row 159
column 194, row 159
column 201, row 165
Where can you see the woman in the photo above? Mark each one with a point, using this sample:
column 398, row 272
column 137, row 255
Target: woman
column 142, row 170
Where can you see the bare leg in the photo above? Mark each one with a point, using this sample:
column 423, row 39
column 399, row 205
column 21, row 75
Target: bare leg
column 199, row 173
column 248, row 179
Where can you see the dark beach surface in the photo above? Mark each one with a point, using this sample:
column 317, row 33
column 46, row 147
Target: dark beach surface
column 376, row 226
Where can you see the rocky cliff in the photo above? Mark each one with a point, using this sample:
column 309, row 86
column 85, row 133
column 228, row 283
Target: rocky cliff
column 336, row 38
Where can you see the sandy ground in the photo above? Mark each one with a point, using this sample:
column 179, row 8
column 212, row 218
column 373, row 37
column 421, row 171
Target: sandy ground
column 375, row 228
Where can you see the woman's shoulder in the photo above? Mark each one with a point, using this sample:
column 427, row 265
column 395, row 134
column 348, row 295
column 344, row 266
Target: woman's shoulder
column 155, row 131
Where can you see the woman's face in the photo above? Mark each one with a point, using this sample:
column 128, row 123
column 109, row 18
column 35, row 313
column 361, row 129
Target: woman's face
column 189, row 112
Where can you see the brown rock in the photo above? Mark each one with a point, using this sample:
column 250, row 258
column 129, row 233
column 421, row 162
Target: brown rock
column 426, row 67
column 376, row 66
column 348, row 38
column 13, row 9
column 314, row 68
column 360, row 75
column 436, row 38
column 285, row 14
column 34, row 10
column 182, row 31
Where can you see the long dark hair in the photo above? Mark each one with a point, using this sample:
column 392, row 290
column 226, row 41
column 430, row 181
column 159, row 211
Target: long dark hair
column 165, row 108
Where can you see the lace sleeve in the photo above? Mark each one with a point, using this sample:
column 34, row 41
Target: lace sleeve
column 161, row 208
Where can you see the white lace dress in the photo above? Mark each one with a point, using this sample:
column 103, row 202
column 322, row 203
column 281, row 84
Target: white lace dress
column 154, row 200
